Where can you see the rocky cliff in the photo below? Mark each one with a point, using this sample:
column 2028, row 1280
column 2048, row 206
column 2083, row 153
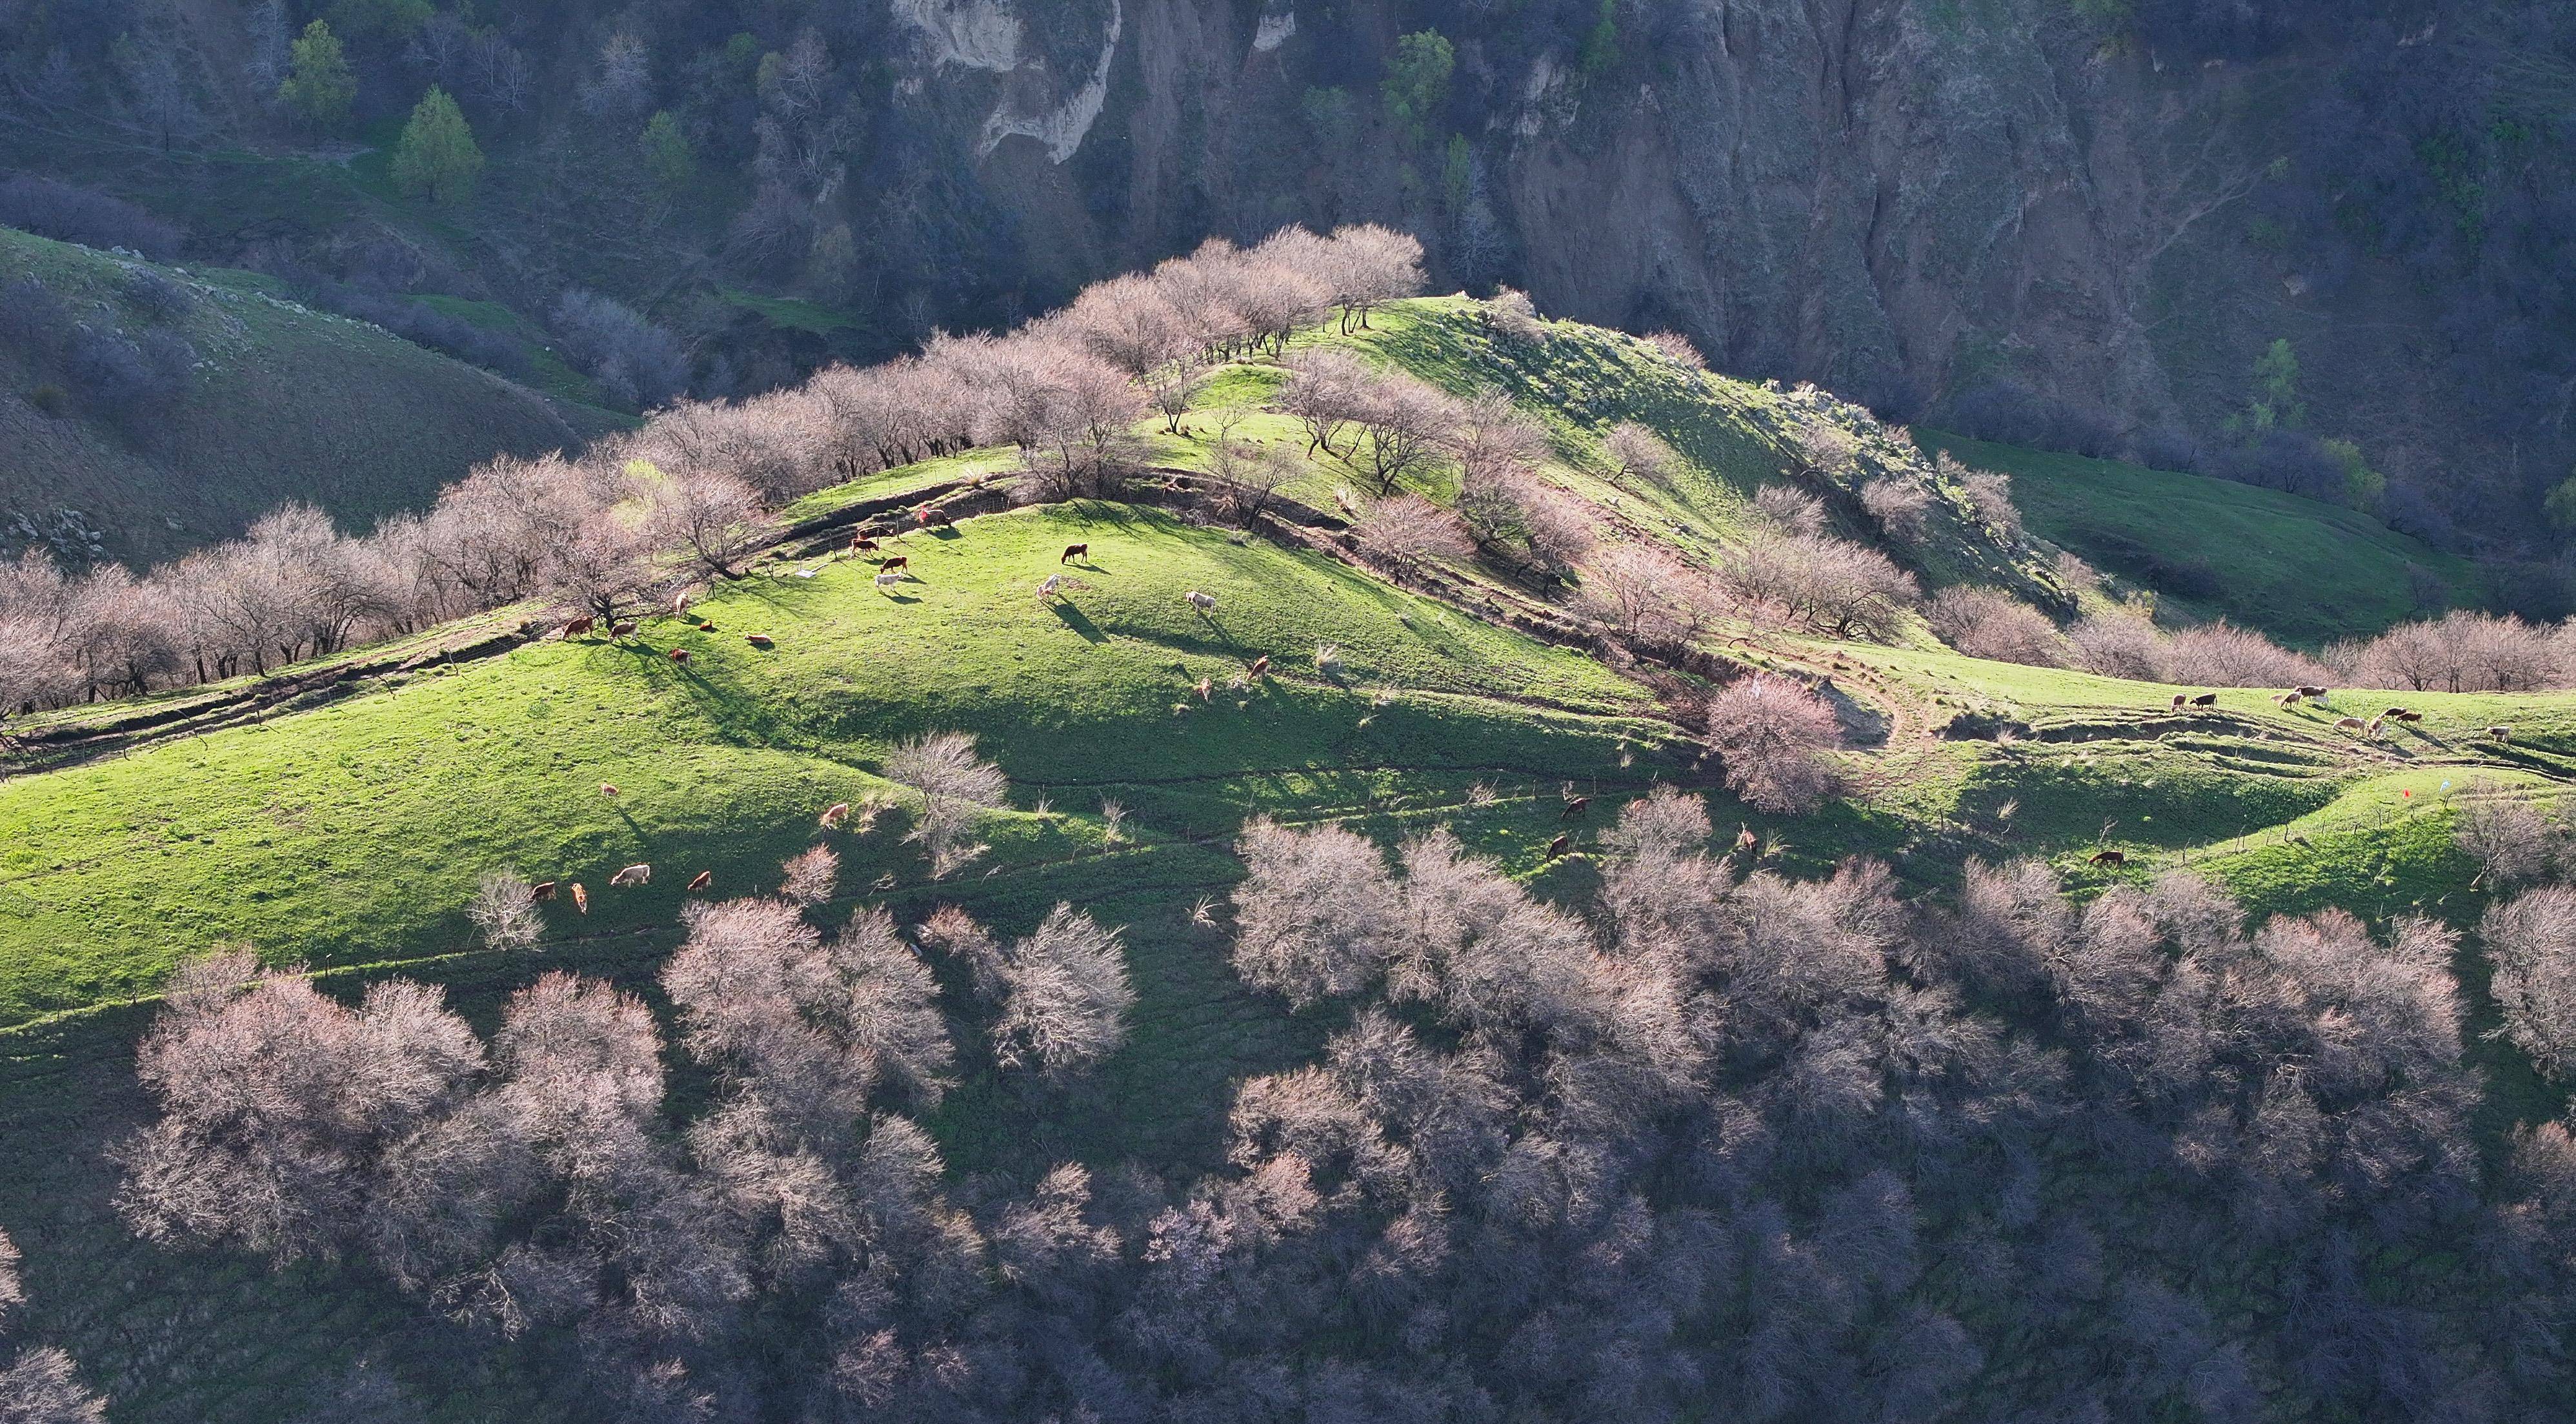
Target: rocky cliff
column 1948, row 208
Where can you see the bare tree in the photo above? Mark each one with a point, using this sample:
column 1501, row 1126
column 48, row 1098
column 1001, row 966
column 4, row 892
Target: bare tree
column 1315, row 916
column 1989, row 623
column 1790, row 511
column 1770, row 734
column 1065, row 996
column 1638, row 453
column 812, row 876
column 1902, row 508
column 714, row 516
column 1988, row 494
column 504, row 910
column 42, row 1386
column 1324, row 390
column 956, row 788
column 1248, row 478
column 1406, row 531
column 2531, row 939
column 1404, row 425
column 1828, row 584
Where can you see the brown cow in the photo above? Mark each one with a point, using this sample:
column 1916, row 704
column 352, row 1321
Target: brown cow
column 2109, row 857
column 1260, row 668
column 1560, row 845
column 2206, row 699
column 894, row 561
column 579, row 626
column 863, row 545
column 2179, row 699
column 930, row 518
column 758, row 640
column 580, row 898
column 2310, row 691
column 705, row 626
column 1075, row 551
column 679, row 655
column 2501, row 734
column 835, row 814
column 2397, row 712
column 541, row 891
column 625, row 628
column 608, row 788
column 632, row 875
column 2410, row 716
column 1575, row 808
column 679, row 603
column 2285, row 699
column 704, row 879
column 1744, row 837
column 2348, row 724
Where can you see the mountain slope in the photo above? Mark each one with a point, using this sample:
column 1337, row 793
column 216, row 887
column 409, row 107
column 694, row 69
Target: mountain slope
column 350, row 836
column 282, row 403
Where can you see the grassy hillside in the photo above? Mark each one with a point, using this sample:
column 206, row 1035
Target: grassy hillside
column 284, row 403
column 2302, row 571
column 349, row 836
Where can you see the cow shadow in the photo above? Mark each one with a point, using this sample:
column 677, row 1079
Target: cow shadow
column 1079, row 621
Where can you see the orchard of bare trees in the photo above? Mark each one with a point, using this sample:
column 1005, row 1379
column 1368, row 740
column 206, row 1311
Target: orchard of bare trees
column 1715, row 1143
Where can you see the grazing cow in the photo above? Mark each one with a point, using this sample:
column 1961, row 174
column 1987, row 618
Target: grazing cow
column 2285, row 699
column 608, row 788
column 835, row 814
column 1559, row 846
column 580, row 898
column 2501, row 734
column 2178, row 701
column 706, row 626
column 1206, row 689
column 1204, row 603
column 2398, row 712
column 632, row 875
column 625, row 628
column 1075, row 551
column 2348, row 724
column 579, row 626
column 1260, row 668
column 759, row 640
column 930, row 518
column 680, row 655
column 2206, row 699
column 1744, row 837
column 679, row 603
column 2109, row 857
column 541, row 891
column 2310, row 691
column 863, row 545
column 1049, row 586
column 2410, row 716
column 894, row 561
column 1575, row 808
column 2372, row 731
column 702, row 880
column 887, row 581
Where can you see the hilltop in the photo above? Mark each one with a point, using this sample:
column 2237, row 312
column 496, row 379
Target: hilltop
column 168, row 407
column 340, row 814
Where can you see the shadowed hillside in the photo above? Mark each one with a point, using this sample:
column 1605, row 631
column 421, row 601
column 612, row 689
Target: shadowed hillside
column 163, row 409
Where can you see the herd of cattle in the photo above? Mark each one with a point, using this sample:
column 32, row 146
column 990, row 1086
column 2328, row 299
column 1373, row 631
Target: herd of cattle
column 2370, row 729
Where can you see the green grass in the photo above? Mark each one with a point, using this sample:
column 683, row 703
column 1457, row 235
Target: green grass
column 285, row 404
column 352, row 834
column 2300, row 570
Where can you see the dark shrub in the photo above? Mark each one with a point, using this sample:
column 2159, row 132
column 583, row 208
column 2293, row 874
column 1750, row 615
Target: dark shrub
column 58, row 210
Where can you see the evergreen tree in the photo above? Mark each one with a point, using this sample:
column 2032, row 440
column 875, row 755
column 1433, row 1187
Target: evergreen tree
column 437, row 158
column 666, row 152
column 319, row 83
